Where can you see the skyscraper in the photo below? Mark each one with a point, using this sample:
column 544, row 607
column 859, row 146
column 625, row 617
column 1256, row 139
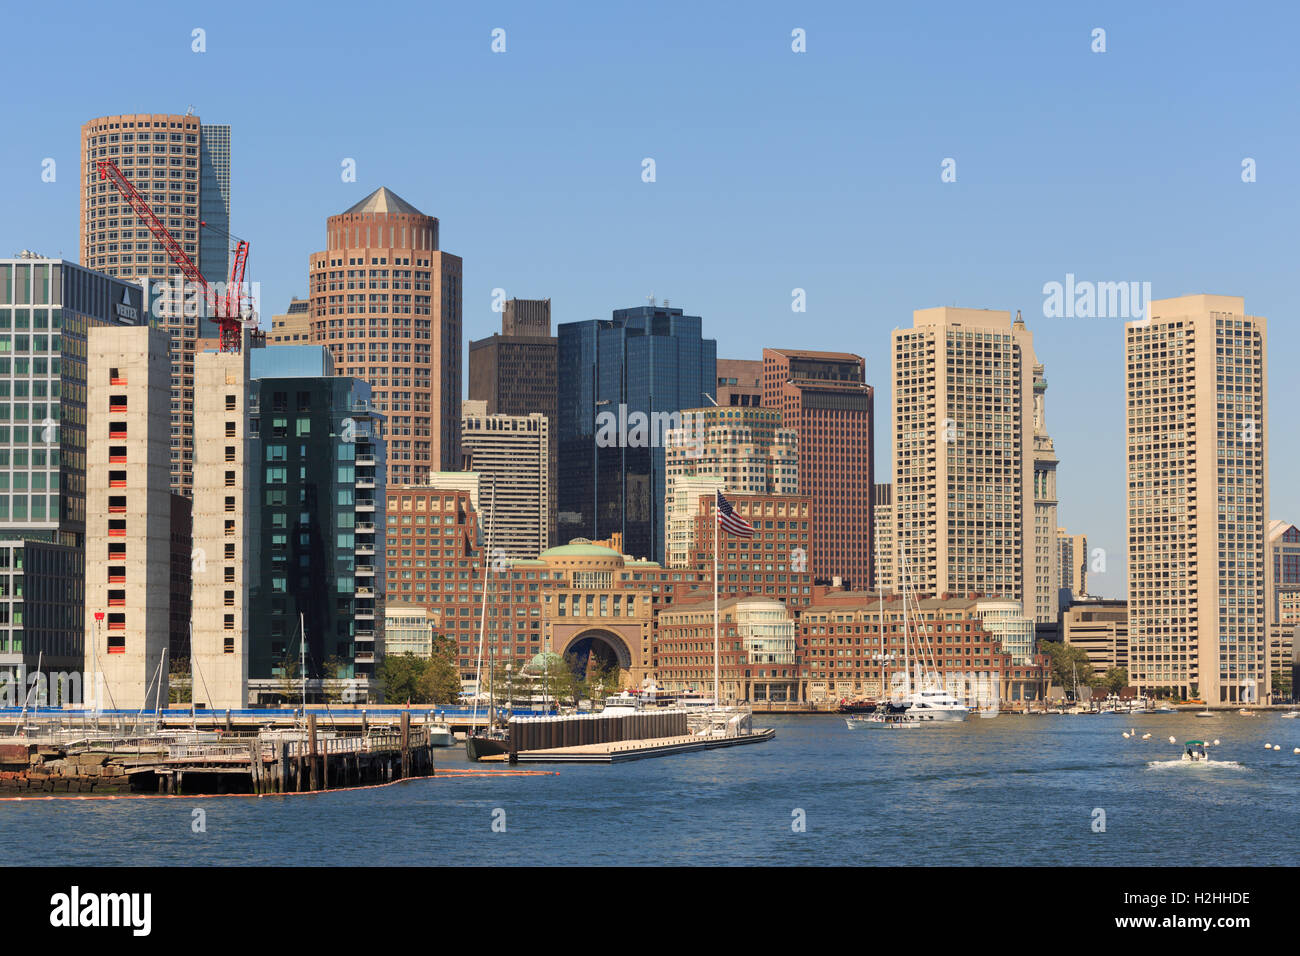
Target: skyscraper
column 181, row 167
column 964, row 454
column 825, row 398
column 883, row 537
column 1197, row 498
column 514, row 374
column 1071, row 564
column 511, row 454
column 746, row 448
column 623, row 382
column 387, row 302
column 47, row 309
column 128, row 538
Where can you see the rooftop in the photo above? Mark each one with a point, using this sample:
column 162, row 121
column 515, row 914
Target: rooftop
column 383, row 199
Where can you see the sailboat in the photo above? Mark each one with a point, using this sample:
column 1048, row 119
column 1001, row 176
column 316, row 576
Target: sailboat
column 492, row 741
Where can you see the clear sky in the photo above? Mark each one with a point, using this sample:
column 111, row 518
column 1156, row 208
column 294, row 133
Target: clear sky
column 775, row 170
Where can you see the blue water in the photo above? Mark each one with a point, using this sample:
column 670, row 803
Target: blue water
column 1008, row 791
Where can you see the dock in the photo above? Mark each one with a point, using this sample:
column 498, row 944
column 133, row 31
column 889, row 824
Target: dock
column 269, row 762
column 615, row 738
column 637, row 749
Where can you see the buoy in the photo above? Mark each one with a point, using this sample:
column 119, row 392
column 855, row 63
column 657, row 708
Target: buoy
column 1126, row 735
column 1173, row 740
column 1216, row 742
column 1146, row 736
column 1297, row 750
column 1268, row 746
column 1277, row 746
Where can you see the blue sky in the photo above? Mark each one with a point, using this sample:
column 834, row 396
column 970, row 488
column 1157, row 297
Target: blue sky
column 774, row 170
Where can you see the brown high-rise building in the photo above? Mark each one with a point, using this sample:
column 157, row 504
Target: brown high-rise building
column 825, row 398
column 181, row 166
column 387, row 303
column 740, row 382
column 514, row 372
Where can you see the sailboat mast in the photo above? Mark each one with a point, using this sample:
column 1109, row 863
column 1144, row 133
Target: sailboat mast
column 302, row 662
column 482, row 610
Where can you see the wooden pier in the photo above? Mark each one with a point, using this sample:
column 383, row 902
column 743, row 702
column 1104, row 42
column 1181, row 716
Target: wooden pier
column 268, row 763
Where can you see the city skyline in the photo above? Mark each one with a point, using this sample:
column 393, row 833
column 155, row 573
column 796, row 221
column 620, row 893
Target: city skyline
column 1045, row 186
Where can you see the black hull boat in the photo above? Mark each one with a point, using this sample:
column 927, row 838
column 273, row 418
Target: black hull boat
column 479, row 746
column 857, row 707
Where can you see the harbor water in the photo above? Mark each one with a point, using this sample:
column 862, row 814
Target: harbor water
column 1011, row 791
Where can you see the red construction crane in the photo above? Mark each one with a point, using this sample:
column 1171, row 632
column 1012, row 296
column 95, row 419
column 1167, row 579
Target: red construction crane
column 228, row 310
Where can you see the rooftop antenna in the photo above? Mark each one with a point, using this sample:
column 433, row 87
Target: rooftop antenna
column 651, row 299
column 189, row 110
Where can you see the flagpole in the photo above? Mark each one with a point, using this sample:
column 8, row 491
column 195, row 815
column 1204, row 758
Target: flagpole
column 717, row 533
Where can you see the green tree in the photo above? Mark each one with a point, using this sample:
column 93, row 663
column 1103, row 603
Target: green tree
column 1115, row 679
column 443, row 674
column 1282, row 684
column 179, row 682
column 403, row 677
column 1067, row 661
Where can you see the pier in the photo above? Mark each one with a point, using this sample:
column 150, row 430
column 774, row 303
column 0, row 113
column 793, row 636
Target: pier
column 268, row 762
column 601, row 738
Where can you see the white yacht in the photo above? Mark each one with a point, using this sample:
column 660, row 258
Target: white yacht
column 936, row 704
column 440, row 734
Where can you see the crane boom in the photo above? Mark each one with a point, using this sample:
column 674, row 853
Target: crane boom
column 227, row 310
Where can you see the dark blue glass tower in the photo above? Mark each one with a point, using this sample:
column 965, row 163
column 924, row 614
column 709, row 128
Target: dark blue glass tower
column 650, row 360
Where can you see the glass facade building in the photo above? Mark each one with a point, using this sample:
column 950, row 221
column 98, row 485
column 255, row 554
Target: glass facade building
column 322, row 475
column 46, row 307
column 622, row 383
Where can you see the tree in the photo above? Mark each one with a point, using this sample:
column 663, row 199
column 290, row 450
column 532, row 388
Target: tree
column 179, row 682
column 1067, row 661
column 402, row 676
column 443, row 676
column 1282, row 684
column 1115, row 679
column 602, row 679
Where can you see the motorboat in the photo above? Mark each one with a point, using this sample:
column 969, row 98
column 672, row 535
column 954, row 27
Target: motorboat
column 1205, row 713
column 936, row 704
column 1292, row 714
column 1246, row 713
column 1195, row 751
column 440, row 734
column 864, row 706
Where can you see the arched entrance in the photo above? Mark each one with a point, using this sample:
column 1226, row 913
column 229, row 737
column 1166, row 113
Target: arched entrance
column 599, row 647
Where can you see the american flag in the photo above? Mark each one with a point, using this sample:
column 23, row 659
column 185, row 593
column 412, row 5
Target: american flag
column 731, row 522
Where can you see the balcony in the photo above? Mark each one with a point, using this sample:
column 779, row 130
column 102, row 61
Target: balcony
column 365, row 482
column 365, row 571
column 365, row 657
column 365, row 527
column 365, row 591
column 365, row 504
column 365, row 460
column 365, row 635
column 366, row 549
column 365, row 614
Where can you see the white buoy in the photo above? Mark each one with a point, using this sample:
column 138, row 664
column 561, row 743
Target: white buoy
column 1277, row 746
column 1268, row 746
column 1146, row 736
column 1173, row 740
column 1126, row 735
column 1296, row 751
column 1216, row 743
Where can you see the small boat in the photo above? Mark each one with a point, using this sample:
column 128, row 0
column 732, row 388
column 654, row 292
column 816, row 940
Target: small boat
column 1205, row 713
column 1195, row 752
column 1292, row 714
column 487, row 744
column 864, row 706
column 440, row 735
column 1246, row 713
